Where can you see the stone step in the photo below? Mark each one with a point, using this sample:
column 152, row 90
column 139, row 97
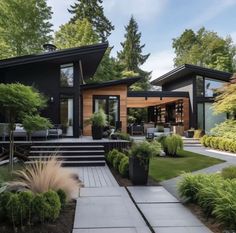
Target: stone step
column 70, row 158
column 68, row 147
column 66, row 152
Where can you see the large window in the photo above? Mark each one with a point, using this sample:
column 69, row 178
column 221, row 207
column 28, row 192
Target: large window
column 211, row 86
column 67, row 75
column 110, row 105
column 66, row 115
column 200, row 116
column 199, row 85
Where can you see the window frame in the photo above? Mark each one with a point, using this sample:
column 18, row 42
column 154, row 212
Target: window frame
column 63, row 66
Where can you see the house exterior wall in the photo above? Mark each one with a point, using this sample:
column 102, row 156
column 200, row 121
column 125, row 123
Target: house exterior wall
column 87, row 95
column 46, row 78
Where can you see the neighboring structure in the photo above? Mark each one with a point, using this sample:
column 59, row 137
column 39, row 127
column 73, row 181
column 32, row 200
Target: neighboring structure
column 186, row 96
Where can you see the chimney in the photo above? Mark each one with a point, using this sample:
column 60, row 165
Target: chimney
column 49, row 48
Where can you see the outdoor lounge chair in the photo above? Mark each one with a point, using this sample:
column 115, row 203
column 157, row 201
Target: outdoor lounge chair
column 156, row 132
column 4, row 131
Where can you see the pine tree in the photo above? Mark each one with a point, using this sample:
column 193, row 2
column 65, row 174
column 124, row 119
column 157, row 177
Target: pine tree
column 93, row 11
column 131, row 57
column 24, row 27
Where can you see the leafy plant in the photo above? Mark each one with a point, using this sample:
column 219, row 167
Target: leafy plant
column 124, row 167
column 157, row 147
column 62, row 196
column 229, row 172
column 226, row 129
column 45, row 175
column 198, row 133
column 111, row 155
column 173, row 143
column 98, row 119
column 117, row 160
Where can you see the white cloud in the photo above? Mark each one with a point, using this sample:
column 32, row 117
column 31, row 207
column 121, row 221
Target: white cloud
column 160, row 63
column 141, row 9
column 209, row 13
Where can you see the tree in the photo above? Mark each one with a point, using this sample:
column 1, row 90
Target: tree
column 205, row 48
column 16, row 102
column 24, row 27
column 225, row 102
column 131, row 57
column 92, row 10
column 75, row 34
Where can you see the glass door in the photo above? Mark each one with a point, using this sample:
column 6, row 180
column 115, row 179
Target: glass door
column 67, row 115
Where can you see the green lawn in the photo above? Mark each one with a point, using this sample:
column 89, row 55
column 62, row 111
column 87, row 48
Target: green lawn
column 163, row 168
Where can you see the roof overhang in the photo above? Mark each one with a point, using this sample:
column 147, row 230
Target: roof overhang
column 188, row 69
column 124, row 81
column 90, row 56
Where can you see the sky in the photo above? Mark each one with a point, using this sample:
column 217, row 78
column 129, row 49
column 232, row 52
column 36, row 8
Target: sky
column 159, row 22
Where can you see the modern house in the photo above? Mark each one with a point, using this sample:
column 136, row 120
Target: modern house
column 186, row 96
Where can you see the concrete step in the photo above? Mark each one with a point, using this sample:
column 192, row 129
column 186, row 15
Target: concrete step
column 67, row 152
column 62, row 147
column 70, row 158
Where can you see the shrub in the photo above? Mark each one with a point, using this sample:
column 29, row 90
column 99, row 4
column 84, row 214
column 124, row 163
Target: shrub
column 39, row 207
column 156, row 145
column 4, row 198
column 111, row 155
column 173, row 143
column 203, row 140
column 62, row 196
column 124, row 167
column 117, row 159
column 198, row 133
column 229, row 172
column 121, row 136
column 45, row 175
column 162, row 140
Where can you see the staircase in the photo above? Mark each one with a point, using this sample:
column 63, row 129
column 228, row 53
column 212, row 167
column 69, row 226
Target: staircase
column 191, row 142
column 71, row 154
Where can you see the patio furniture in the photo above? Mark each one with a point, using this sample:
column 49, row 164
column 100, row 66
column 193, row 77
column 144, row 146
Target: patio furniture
column 137, row 129
column 20, row 132
column 40, row 134
column 4, row 131
column 56, row 131
column 157, row 132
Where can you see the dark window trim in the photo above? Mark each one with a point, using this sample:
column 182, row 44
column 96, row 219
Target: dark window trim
column 106, row 97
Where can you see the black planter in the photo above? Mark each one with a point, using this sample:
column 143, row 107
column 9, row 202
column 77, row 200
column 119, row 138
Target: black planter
column 138, row 171
column 189, row 134
column 97, row 132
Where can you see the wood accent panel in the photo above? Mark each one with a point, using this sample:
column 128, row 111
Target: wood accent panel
column 186, row 113
column 120, row 90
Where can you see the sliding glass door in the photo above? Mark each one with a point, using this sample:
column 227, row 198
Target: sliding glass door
column 110, row 105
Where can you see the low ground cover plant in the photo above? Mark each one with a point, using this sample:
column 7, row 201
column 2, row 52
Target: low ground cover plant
column 219, row 143
column 214, row 194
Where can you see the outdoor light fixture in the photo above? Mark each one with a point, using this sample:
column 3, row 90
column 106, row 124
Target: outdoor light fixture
column 52, row 99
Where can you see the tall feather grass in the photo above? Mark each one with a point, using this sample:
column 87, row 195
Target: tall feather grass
column 45, row 175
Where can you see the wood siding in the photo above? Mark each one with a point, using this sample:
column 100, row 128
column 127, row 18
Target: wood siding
column 119, row 90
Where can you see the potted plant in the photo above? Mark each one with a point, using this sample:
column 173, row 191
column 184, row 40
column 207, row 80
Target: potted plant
column 98, row 121
column 140, row 155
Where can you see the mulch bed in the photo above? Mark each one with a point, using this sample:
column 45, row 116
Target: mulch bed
column 64, row 223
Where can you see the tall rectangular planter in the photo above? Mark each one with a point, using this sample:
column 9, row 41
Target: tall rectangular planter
column 138, row 172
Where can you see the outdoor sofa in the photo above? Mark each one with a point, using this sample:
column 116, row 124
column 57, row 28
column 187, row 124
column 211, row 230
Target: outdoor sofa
column 158, row 132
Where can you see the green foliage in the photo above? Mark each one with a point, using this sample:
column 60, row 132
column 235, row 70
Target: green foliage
column 156, row 146
column 39, row 207
column 162, row 140
column 131, row 57
column 24, row 27
column 215, row 195
column 78, row 33
column 117, row 160
column 173, row 143
column 62, row 196
column 226, row 129
column 124, row 167
column 34, row 123
column 111, row 155
column 92, row 10
column 138, row 114
column 122, row 136
column 225, row 101
column 13, row 209
column 205, row 48
column 98, row 118
column 229, row 172
column 4, row 199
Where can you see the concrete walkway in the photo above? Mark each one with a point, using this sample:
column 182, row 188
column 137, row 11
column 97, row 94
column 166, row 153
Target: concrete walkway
column 171, row 184
column 164, row 212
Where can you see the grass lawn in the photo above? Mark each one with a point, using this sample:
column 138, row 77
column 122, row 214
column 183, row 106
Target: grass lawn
column 164, row 168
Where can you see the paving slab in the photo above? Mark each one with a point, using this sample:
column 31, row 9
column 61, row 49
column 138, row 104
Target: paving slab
column 202, row 229
column 113, row 230
column 103, row 212
column 149, row 194
column 102, row 192
column 169, row 215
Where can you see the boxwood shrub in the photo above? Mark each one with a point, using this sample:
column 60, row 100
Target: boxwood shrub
column 124, row 167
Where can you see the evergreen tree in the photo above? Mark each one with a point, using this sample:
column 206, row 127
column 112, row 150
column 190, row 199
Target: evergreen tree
column 75, row 34
column 205, row 48
column 131, row 57
column 24, row 27
column 93, row 11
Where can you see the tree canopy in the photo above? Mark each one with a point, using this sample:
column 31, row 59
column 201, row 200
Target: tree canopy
column 75, row 34
column 92, row 10
column 131, row 57
column 205, row 48
column 24, row 27
column 225, row 102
